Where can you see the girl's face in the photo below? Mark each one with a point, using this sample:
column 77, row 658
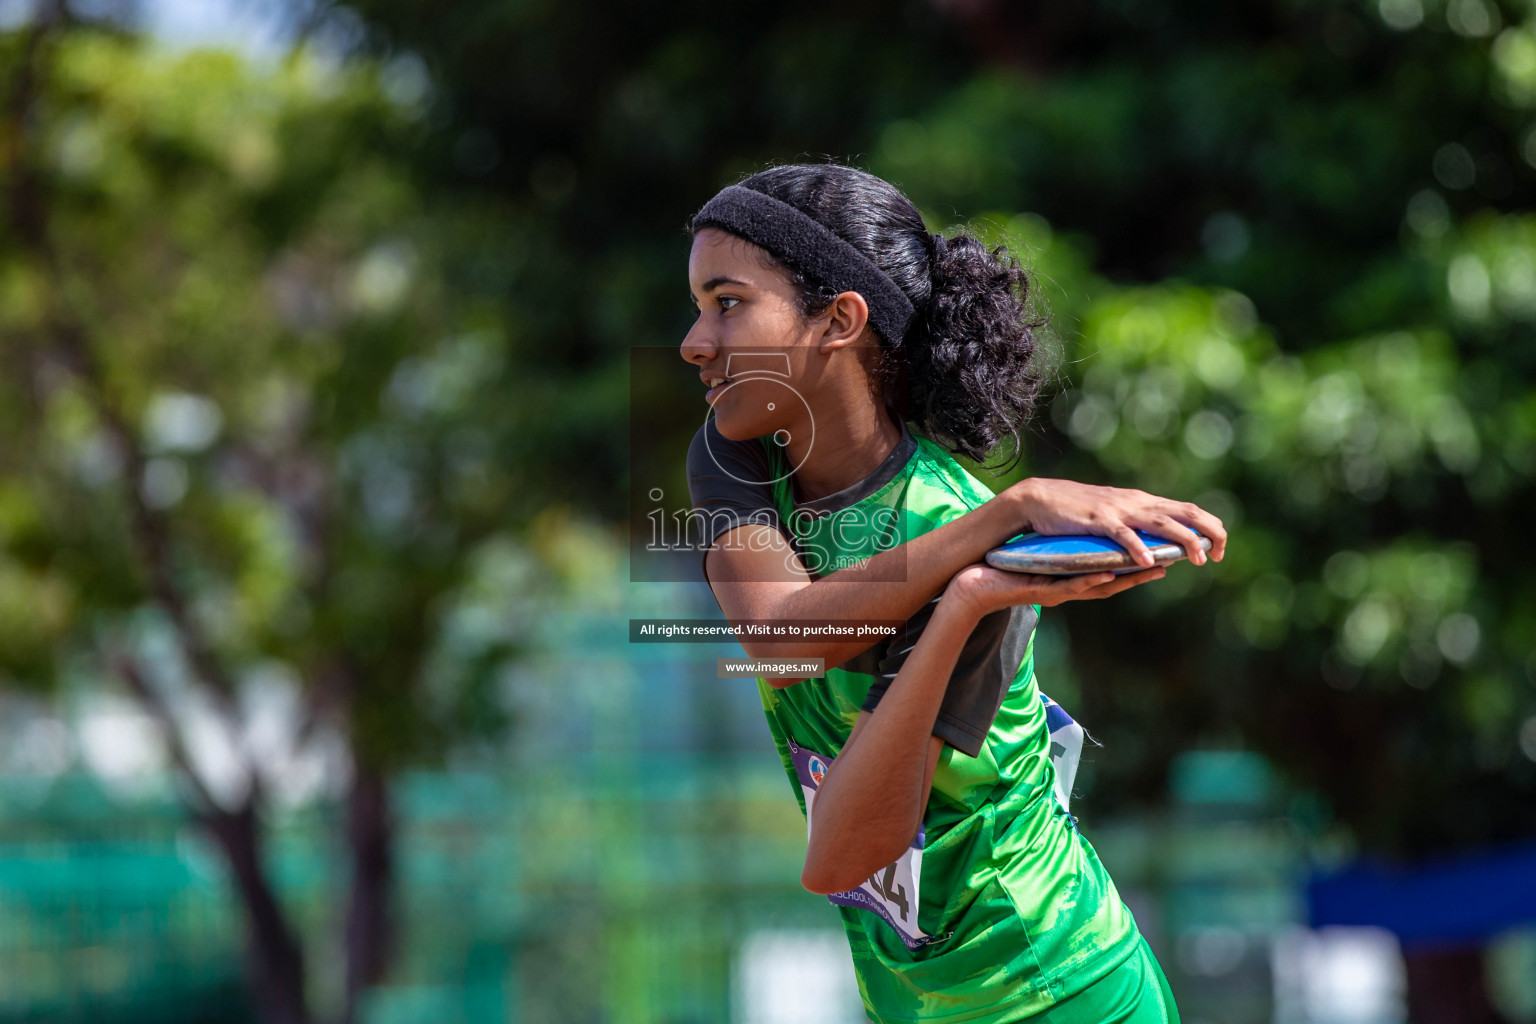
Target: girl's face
column 756, row 353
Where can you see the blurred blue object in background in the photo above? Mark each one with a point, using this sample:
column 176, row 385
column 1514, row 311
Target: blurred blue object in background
column 1469, row 898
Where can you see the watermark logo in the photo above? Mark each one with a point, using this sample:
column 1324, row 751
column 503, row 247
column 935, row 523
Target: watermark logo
column 761, row 380
column 691, row 486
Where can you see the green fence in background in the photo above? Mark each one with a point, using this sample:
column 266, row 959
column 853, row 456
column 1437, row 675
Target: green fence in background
column 613, row 895
column 617, row 889
column 106, row 913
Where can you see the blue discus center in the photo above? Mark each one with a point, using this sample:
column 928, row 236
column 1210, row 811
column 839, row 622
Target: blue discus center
column 1038, row 544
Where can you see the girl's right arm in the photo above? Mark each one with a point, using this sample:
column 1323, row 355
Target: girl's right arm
column 755, row 574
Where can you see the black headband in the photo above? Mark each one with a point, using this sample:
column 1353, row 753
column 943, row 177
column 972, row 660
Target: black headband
column 811, row 249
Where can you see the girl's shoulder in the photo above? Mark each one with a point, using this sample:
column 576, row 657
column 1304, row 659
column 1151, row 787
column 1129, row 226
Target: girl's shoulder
column 712, row 452
column 939, row 479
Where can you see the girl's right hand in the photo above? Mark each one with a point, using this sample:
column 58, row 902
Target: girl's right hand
column 982, row 589
column 1061, row 507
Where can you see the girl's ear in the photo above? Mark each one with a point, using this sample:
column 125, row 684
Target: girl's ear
column 846, row 319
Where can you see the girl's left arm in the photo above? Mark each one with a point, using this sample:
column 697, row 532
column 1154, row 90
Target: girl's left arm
column 868, row 807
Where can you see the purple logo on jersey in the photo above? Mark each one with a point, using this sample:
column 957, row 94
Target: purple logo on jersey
column 818, row 769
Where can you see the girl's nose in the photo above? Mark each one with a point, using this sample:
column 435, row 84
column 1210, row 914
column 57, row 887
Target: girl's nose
column 697, row 346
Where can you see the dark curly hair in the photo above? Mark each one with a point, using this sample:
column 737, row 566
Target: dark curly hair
column 968, row 371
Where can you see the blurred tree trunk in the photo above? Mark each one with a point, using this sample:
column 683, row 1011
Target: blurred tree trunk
column 369, row 929
column 275, row 959
column 1449, row 985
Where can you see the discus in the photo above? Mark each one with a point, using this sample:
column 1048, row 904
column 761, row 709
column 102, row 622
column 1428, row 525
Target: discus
column 1074, row 556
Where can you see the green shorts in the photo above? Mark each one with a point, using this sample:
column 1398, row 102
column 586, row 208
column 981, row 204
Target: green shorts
column 1133, row 993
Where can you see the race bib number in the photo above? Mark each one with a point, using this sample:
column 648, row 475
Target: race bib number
column 890, row 892
column 1066, row 749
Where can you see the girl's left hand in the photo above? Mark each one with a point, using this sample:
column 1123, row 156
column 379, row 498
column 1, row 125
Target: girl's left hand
column 984, row 589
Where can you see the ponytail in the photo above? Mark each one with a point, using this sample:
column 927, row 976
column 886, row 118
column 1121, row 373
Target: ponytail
column 972, row 370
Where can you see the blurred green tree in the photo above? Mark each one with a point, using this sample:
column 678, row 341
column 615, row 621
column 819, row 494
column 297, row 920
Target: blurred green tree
column 250, row 447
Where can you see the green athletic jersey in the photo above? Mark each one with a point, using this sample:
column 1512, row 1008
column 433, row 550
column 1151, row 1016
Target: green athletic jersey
column 1020, row 911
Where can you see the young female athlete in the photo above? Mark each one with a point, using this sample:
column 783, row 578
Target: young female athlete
column 847, row 352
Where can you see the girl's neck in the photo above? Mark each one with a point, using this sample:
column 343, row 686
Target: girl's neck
column 848, row 446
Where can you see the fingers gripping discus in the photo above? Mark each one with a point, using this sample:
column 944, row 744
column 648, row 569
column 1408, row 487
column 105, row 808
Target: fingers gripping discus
column 1074, row 556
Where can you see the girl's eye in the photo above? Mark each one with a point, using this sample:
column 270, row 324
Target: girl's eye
column 727, row 301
